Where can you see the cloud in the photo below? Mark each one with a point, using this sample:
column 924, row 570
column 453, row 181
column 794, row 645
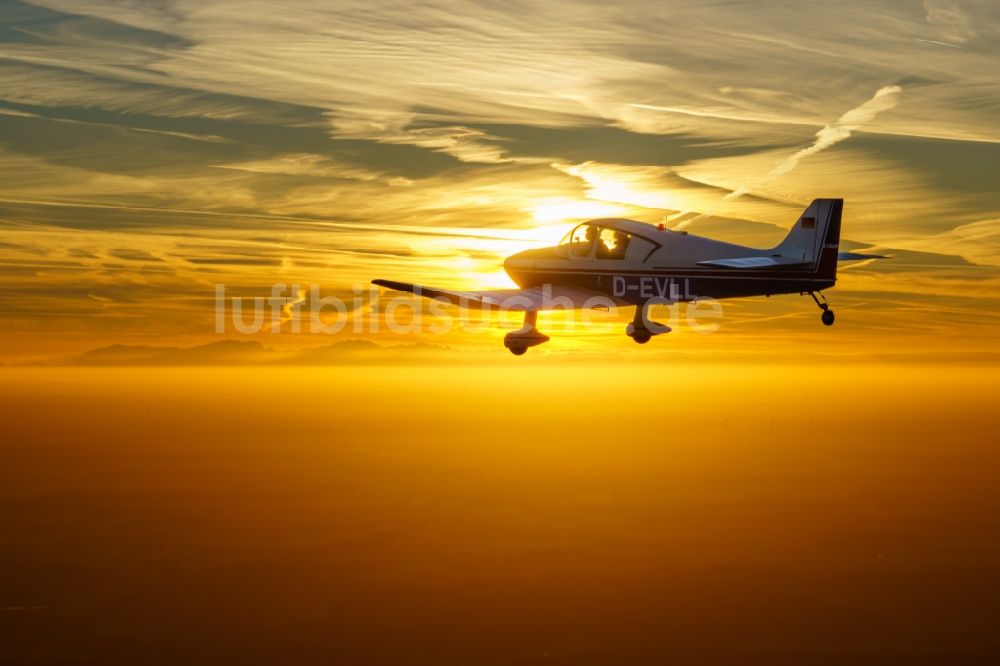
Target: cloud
column 452, row 64
column 954, row 24
column 395, row 127
column 131, row 254
column 315, row 166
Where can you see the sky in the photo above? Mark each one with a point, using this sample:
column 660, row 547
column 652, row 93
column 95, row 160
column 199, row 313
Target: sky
column 150, row 151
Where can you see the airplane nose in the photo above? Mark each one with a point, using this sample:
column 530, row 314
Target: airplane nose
column 518, row 261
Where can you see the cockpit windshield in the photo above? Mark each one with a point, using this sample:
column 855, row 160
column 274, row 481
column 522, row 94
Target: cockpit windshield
column 580, row 241
column 596, row 242
column 576, row 235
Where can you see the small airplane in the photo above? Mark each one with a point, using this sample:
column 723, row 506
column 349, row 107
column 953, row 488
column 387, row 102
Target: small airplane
column 623, row 262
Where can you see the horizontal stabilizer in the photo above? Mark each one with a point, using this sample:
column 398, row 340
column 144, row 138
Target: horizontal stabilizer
column 754, row 262
column 548, row 297
column 857, row 256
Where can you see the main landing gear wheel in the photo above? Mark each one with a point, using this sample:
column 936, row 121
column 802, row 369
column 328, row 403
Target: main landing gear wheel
column 642, row 329
column 517, row 350
column 827, row 317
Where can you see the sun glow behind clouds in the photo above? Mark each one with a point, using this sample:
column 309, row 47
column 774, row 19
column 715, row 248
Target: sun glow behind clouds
column 560, row 210
column 637, row 186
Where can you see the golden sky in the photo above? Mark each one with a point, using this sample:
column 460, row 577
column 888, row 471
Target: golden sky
column 149, row 151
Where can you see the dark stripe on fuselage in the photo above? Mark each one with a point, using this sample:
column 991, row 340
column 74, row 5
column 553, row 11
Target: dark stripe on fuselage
column 674, row 285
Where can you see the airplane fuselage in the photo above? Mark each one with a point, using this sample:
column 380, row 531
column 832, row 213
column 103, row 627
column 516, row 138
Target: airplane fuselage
column 636, row 285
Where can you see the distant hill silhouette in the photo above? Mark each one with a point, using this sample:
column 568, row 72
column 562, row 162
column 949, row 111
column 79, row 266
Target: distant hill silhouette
column 237, row 352
column 222, row 352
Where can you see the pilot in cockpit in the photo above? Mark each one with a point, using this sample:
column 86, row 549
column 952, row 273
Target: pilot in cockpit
column 594, row 238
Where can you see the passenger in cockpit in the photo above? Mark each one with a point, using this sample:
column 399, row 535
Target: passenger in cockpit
column 621, row 245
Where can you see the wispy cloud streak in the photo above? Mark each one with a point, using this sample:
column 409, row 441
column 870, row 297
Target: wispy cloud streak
column 884, row 99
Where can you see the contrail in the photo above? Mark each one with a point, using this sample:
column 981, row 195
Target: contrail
column 885, row 99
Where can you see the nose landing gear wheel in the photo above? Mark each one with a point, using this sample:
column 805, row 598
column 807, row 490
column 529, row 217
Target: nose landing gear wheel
column 827, row 317
column 517, row 342
column 642, row 337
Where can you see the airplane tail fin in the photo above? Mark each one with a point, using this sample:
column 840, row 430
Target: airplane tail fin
column 815, row 238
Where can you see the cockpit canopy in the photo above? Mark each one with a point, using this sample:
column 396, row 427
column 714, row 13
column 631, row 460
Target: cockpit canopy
column 594, row 240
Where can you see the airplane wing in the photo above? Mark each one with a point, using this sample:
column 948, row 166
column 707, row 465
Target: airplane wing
column 549, row 297
column 753, row 262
